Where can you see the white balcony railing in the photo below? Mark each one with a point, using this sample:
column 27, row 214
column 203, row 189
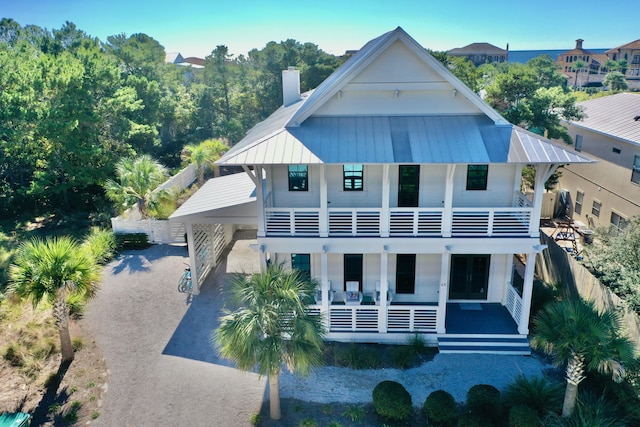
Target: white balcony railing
column 514, row 303
column 420, row 222
column 365, row 318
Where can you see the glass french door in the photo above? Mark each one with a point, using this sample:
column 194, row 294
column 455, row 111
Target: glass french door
column 469, row 276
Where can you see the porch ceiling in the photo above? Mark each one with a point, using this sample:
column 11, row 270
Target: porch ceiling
column 222, row 197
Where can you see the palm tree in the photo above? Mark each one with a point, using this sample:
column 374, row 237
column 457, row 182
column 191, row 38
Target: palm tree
column 138, row 177
column 204, row 154
column 579, row 65
column 54, row 269
column 577, row 334
column 271, row 326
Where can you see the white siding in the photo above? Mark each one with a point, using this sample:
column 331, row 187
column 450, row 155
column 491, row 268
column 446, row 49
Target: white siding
column 499, row 192
column 499, row 274
column 282, row 197
column 371, row 196
column 427, row 279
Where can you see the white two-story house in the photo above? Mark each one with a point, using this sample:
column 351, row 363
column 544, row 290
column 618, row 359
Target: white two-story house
column 398, row 189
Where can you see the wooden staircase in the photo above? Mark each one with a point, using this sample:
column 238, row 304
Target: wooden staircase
column 484, row 343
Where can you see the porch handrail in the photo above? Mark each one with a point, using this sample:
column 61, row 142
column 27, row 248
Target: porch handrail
column 514, row 303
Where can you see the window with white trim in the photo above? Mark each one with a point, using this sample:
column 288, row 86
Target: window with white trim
column 578, row 145
column 298, row 178
column 618, row 223
column 595, row 208
column 353, row 177
column 579, row 200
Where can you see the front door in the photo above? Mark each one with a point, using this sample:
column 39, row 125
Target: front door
column 408, row 186
column 469, row 277
column 353, row 269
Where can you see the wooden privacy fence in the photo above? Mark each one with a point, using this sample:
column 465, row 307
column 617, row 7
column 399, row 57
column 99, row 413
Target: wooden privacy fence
column 555, row 265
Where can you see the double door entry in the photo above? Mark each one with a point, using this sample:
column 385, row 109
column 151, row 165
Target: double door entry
column 469, row 277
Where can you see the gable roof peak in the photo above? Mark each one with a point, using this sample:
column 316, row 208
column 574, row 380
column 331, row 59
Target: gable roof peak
column 365, row 56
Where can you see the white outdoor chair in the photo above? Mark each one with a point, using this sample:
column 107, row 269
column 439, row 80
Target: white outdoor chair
column 353, row 296
column 377, row 295
column 318, row 295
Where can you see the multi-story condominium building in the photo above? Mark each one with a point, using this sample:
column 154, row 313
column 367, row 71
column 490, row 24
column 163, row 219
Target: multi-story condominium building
column 608, row 193
column 590, row 69
column 481, row 53
column 398, row 189
column 631, row 53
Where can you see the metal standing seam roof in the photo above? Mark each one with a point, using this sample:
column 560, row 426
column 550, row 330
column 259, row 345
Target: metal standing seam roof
column 216, row 193
column 404, row 139
column 613, row 115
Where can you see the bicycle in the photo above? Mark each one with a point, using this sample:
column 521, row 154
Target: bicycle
column 186, row 284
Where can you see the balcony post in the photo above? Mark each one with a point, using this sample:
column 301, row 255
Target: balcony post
column 447, row 213
column 384, row 288
column 443, row 293
column 384, row 214
column 324, row 272
column 324, row 208
column 527, row 291
column 543, row 172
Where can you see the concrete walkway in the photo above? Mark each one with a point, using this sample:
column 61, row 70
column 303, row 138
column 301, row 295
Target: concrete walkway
column 165, row 372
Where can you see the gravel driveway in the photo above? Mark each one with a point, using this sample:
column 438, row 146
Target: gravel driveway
column 164, row 371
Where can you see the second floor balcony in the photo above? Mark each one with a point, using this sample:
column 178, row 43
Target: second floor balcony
column 514, row 221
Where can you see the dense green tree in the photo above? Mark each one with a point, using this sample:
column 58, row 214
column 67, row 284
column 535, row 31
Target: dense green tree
column 547, row 72
column 137, row 179
column 509, row 89
column 53, row 270
column 614, row 257
column 583, row 339
column 271, row 327
column 542, row 111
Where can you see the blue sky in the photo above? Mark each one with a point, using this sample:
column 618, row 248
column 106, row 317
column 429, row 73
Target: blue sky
column 196, row 27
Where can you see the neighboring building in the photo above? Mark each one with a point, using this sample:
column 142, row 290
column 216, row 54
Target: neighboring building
column 178, row 59
column 591, row 71
column 481, row 53
column 398, row 188
column 631, row 53
column 607, row 193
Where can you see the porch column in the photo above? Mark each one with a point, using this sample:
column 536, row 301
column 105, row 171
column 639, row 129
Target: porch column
column 324, row 272
column 384, row 215
column 543, row 172
column 447, row 214
column 443, row 293
column 384, row 288
column 256, row 177
column 192, row 259
column 527, row 291
column 324, row 203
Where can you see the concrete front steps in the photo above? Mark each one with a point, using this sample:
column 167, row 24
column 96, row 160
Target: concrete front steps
column 484, row 343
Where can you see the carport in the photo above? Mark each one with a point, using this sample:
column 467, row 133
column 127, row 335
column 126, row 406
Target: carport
column 211, row 216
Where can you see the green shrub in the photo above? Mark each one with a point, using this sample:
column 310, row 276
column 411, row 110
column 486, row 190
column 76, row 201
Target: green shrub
column 402, row 357
column 523, row 416
column 101, row 244
column 536, row 393
column 13, row 355
column 132, row 241
column 354, row 413
column 484, row 400
column 392, row 400
column 256, row 419
column 440, row 407
column 474, row 420
column 308, row 422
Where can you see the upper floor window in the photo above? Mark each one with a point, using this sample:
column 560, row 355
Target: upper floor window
column 636, row 59
column 298, row 178
column 477, row 177
column 635, row 175
column 579, row 200
column 616, row 150
column 302, row 262
column 595, row 208
column 578, row 145
column 353, row 177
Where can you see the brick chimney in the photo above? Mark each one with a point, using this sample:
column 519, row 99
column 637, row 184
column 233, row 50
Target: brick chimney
column 290, row 86
column 579, row 43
